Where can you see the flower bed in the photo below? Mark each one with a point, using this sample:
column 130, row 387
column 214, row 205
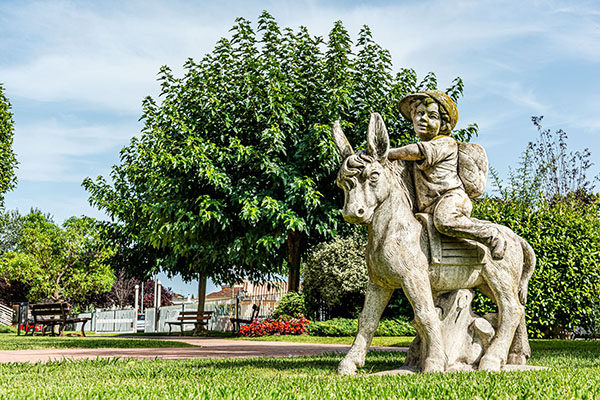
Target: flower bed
column 283, row 325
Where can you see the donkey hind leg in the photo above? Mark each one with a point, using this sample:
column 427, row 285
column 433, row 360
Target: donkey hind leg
column 376, row 299
column 510, row 312
column 519, row 350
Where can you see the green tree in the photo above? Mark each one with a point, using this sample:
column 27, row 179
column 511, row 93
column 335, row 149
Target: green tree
column 59, row 263
column 8, row 160
column 233, row 174
column 11, row 223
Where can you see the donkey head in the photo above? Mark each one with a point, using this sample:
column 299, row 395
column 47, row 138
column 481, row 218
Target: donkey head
column 364, row 176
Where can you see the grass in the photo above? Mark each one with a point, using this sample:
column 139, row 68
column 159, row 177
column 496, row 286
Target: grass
column 14, row 342
column 575, row 374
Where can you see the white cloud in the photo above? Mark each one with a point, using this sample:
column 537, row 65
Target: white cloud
column 53, row 151
column 107, row 59
column 109, row 56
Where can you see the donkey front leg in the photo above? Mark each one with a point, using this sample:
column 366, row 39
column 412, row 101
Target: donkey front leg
column 375, row 301
column 427, row 322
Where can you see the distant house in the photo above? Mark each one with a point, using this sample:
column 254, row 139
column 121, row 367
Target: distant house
column 243, row 295
column 179, row 298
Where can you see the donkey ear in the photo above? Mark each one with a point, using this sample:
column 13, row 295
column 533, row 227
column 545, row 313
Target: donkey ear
column 378, row 141
column 341, row 141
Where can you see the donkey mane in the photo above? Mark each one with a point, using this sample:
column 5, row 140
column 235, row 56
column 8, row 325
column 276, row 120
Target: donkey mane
column 355, row 164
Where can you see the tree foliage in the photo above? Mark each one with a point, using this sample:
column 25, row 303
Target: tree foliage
column 8, row 159
column 12, row 291
column 233, row 174
column 11, row 223
column 59, row 263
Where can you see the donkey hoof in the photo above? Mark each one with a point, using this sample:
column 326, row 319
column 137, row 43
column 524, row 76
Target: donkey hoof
column 347, row 367
column 490, row 364
column 516, row 359
column 433, row 365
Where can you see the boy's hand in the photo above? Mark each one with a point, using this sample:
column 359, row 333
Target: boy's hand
column 410, row 152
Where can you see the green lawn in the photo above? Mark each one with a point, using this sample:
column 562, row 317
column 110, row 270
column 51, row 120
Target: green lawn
column 575, row 374
column 14, row 342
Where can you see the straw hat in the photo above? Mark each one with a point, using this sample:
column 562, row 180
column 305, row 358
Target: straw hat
column 440, row 97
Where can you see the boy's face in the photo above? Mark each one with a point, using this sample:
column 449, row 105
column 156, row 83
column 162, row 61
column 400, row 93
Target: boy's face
column 426, row 121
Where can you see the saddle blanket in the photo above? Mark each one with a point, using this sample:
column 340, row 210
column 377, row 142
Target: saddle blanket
column 446, row 250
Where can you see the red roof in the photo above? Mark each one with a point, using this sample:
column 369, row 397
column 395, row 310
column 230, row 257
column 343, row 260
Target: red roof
column 226, row 292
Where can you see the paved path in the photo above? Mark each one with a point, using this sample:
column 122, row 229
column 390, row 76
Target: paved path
column 206, row 347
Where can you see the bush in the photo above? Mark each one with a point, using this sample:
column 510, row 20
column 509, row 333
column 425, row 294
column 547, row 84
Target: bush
column 349, row 327
column 291, row 304
column 564, row 292
column 284, row 325
column 336, row 273
column 7, row 329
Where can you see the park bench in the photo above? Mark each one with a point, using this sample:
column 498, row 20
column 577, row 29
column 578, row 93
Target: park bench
column 237, row 322
column 191, row 317
column 49, row 315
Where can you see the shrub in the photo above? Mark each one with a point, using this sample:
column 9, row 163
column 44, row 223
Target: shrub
column 564, row 291
column 291, row 304
column 284, row 325
column 336, row 273
column 349, row 327
column 7, row 329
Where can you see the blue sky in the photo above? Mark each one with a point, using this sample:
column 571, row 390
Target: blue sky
column 76, row 73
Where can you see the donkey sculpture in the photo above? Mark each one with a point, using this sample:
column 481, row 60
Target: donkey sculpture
column 380, row 193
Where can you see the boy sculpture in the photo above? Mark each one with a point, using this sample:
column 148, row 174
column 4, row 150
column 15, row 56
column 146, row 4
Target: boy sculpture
column 440, row 190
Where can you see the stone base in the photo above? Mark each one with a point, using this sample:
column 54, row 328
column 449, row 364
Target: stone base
column 467, row 368
column 466, row 336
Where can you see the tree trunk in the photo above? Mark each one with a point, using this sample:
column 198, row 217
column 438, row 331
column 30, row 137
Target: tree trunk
column 294, row 242
column 201, row 292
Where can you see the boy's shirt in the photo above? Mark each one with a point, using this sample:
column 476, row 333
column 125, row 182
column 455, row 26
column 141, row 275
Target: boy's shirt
column 437, row 173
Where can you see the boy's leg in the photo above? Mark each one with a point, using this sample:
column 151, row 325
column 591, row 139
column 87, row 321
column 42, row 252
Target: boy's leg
column 452, row 217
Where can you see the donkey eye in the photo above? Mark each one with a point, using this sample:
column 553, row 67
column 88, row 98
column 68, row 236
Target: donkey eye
column 374, row 177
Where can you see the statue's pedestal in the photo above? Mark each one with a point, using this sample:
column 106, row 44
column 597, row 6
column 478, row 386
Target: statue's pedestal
column 466, row 336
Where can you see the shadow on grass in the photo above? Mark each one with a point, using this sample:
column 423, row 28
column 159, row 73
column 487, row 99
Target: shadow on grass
column 327, row 363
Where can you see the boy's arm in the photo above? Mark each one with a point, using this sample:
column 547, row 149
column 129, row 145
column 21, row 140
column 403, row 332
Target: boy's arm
column 410, row 152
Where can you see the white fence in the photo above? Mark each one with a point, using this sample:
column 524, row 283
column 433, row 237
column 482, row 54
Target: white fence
column 6, row 315
column 114, row 321
column 124, row 321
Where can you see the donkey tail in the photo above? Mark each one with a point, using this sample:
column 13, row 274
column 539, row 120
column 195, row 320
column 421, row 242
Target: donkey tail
column 528, row 267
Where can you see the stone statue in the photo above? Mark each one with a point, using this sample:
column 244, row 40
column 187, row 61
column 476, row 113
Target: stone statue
column 416, row 201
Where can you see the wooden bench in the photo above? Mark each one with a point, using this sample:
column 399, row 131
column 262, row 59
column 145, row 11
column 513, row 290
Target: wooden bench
column 237, row 322
column 49, row 315
column 191, row 317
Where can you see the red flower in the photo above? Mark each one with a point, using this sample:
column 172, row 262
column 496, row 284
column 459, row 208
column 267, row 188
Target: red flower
column 284, row 325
